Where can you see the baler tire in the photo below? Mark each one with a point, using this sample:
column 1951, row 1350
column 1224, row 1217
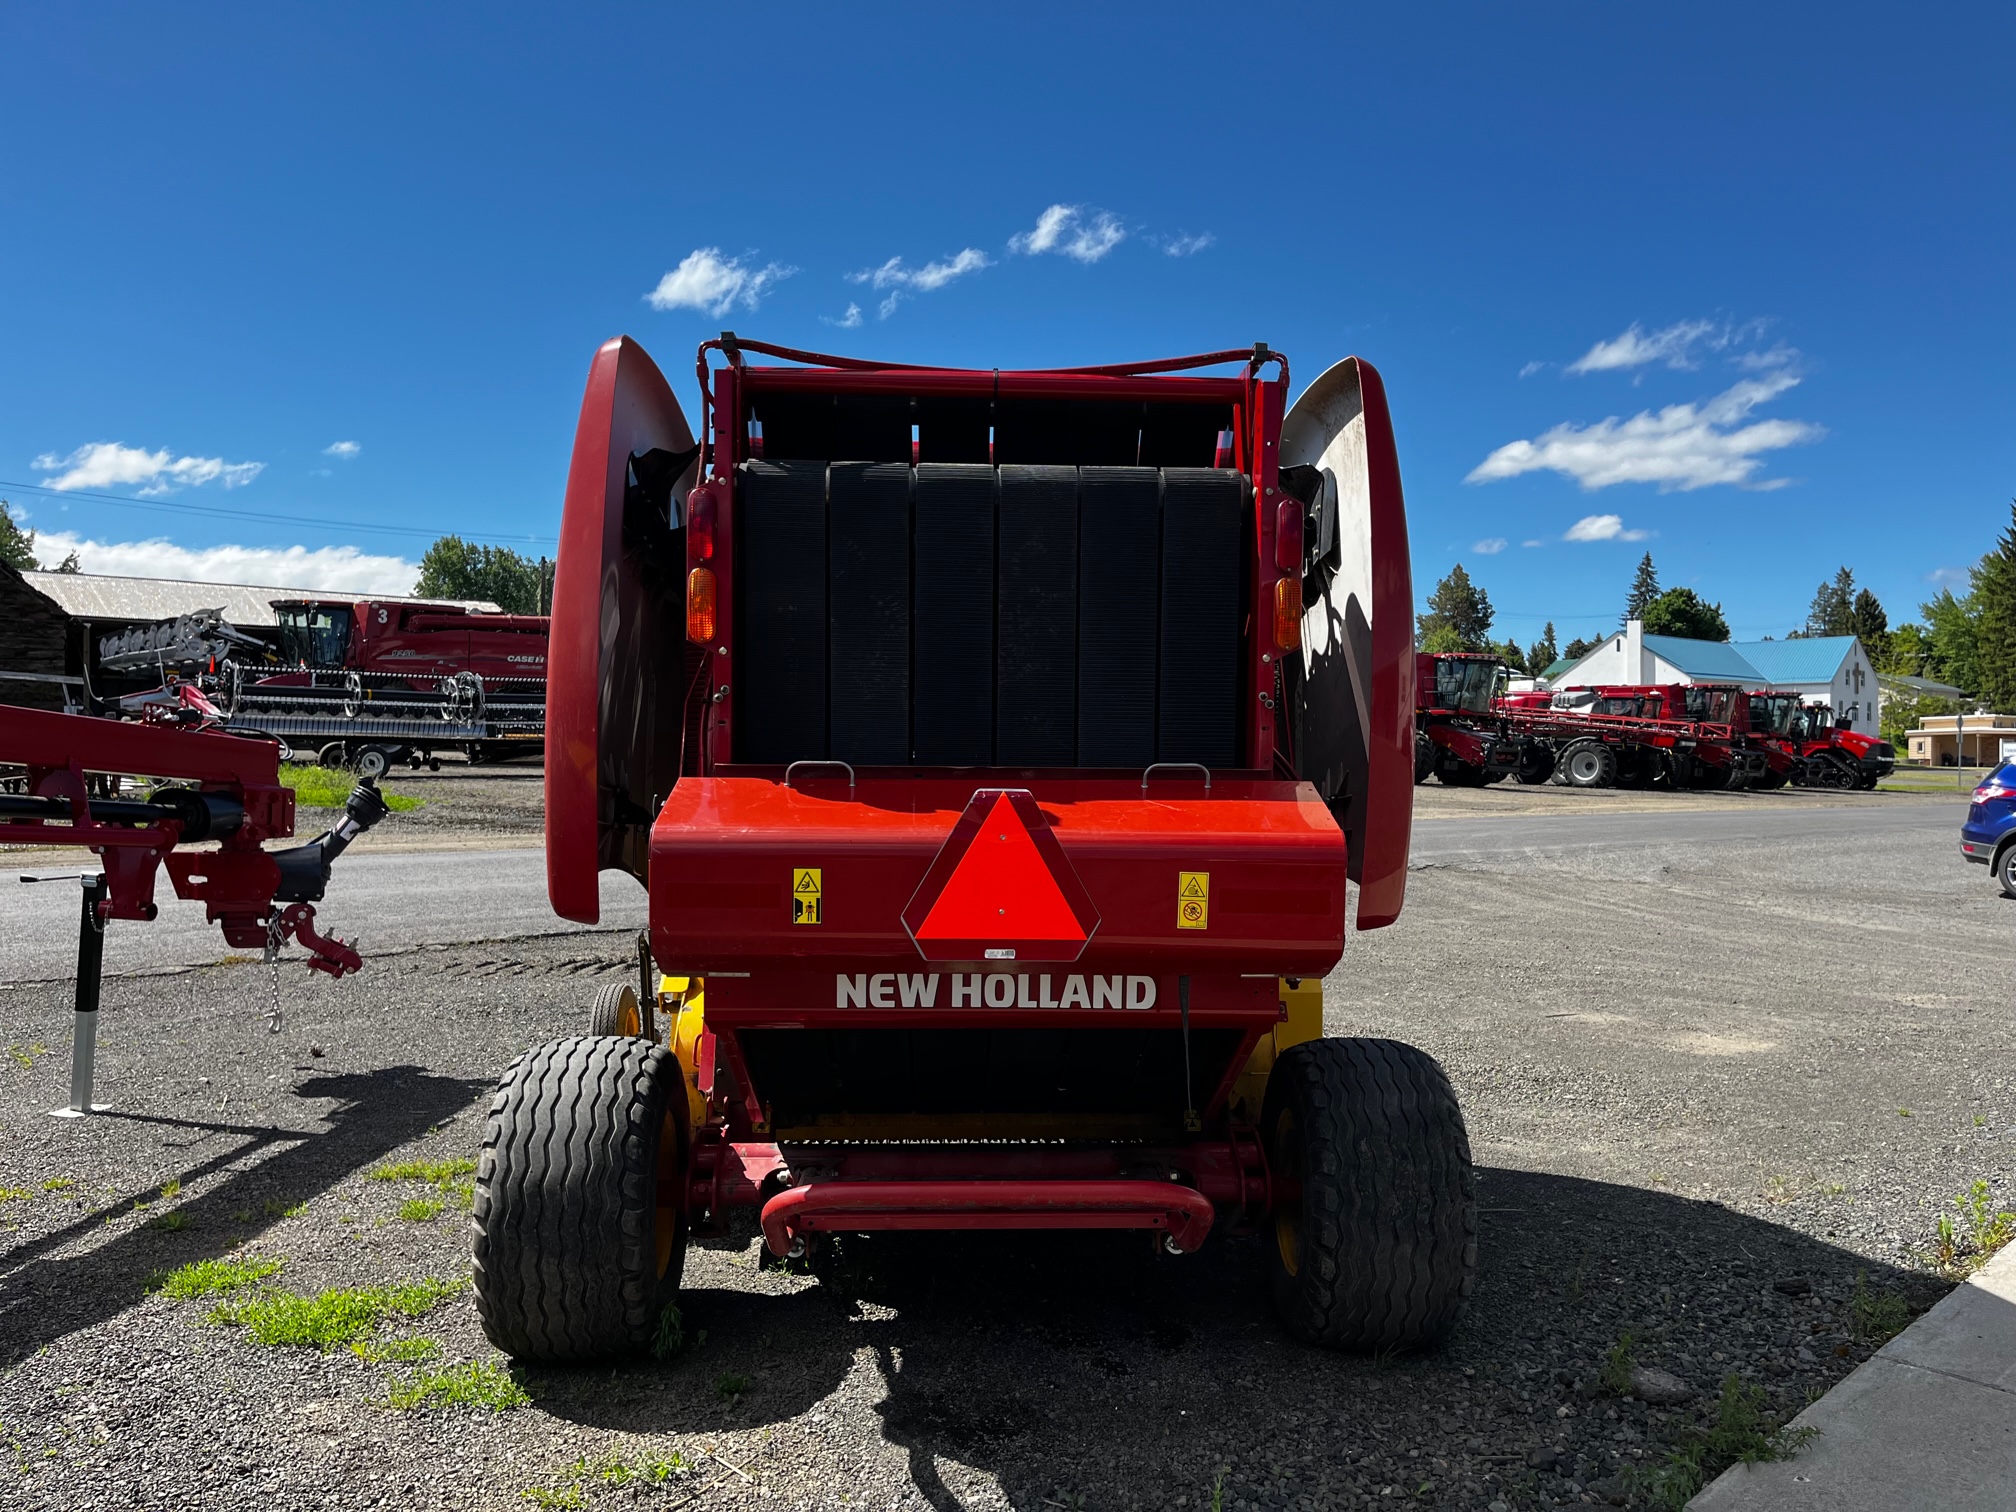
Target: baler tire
column 574, row 1258
column 1380, row 1251
column 1602, row 774
column 1455, row 772
column 1424, row 759
column 616, row 1012
column 1536, row 765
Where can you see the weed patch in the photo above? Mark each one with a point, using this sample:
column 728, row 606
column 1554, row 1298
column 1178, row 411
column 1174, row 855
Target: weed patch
column 479, row 1384
column 1617, row 1365
column 169, row 1223
column 1741, row 1433
column 58, row 1184
column 416, row 1351
column 171, row 1189
column 1970, row 1234
column 213, row 1278
column 671, row 1335
column 332, row 1317
column 439, row 1172
column 14, row 1194
column 277, row 1207
column 326, row 788
column 421, row 1209
column 1876, row 1317
column 730, row 1387
column 611, row 1470
column 25, row 1059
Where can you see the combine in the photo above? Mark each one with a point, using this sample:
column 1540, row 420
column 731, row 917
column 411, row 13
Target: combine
column 994, row 748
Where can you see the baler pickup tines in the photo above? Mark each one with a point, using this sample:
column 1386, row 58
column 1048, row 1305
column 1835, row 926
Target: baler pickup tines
column 846, row 1207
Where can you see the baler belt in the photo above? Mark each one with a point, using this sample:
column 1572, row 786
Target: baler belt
column 868, row 612
column 780, row 543
column 953, row 540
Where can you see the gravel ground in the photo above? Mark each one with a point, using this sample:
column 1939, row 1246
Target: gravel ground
column 484, row 805
column 1685, row 1073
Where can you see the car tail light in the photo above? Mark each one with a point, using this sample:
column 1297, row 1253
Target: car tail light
column 700, row 605
column 1989, row 790
column 700, row 524
column 1288, row 613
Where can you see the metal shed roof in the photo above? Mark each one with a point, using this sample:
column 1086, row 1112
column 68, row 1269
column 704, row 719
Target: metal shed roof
column 93, row 596
column 1705, row 661
column 1807, row 660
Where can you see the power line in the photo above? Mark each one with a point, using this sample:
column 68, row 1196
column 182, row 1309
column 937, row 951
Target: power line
column 162, row 506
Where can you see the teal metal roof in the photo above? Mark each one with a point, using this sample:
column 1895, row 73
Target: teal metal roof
column 1555, row 669
column 1814, row 660
column 1708, row 661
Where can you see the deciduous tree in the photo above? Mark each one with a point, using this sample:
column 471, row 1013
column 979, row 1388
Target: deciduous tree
column 1683, row 612
column 17, row 546
column 456, row 569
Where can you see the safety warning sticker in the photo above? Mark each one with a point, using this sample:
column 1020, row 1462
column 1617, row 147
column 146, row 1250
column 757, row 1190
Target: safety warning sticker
column 806, row 903
column 1193, row 900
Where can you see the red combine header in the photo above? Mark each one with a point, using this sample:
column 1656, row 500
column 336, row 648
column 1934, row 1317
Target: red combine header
column 995, row 748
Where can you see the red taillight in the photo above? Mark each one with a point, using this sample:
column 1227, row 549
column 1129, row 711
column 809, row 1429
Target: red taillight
column 1288, row 536
column 700, row 524
column 1288, row 614
column 1989, row 790
column 700, row 606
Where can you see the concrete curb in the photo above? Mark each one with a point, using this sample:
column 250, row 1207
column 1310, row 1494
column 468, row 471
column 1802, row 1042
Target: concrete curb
column 1929, row 1420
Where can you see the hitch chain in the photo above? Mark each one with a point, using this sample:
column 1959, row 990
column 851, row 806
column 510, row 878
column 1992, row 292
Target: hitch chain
column 276, row 935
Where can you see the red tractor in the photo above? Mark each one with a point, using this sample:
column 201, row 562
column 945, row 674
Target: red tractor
column 994, row 749
column 1721, row 755
column 1841, row 758
column 1459, row 737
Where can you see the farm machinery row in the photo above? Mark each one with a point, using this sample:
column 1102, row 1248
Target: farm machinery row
column 365, row 685
column 1469, row 732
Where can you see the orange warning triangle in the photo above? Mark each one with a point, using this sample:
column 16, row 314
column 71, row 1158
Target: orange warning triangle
column 1002, row 889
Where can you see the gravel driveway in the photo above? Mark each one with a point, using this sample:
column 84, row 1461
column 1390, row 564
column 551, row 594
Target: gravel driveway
column 1685, row 1070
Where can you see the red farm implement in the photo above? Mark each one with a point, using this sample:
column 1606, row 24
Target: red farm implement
column 1460, row 737
column 1672, row 737
column 995, row 748
column 198, row 787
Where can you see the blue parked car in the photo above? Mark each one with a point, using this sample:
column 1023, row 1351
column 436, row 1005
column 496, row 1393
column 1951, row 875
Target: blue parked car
column 1989, row 833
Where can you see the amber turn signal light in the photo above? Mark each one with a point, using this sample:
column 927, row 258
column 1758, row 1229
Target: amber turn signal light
column 1287, row 614
column 700, row 606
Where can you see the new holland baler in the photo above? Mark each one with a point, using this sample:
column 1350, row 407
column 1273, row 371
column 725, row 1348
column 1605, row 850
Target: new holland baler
column 994, row 748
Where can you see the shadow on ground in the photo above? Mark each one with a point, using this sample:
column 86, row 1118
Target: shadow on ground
column 1086, row 1365
column 44, row 1296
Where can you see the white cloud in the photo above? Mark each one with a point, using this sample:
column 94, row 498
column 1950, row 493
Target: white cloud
column 1532, row 543
column 1530, row 369
column 1602, row 528
column 1673, row 346
column 343, row 569
column 899, row 280
column 107, row 464
column 1086, row 235
column 1490, row 546
column 344, row 449
column 846, row 322
column 705, row 280
column 1683, row 446
column 1186, row 245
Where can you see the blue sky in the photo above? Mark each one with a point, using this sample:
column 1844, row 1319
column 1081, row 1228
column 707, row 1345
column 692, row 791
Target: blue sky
column 1737, row 278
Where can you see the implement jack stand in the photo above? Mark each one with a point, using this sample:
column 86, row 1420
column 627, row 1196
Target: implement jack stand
column 90, row 968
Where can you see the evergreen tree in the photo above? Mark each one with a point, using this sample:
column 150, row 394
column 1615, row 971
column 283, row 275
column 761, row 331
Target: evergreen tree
column 1994, row 596
column 455, row 569
column 1543, row 653
column 69, row 564
column 1644, row 589
column 1870, row 624
column 17, row 546
column 1833, row 611
column 1575, row 650
column 1459, row 605
column 1515, row 659
column 1683, row 612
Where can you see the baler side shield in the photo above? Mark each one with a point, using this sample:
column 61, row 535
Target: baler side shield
column 1357, row 716
column 613, row 712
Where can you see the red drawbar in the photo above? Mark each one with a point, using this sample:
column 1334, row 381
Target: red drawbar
column 1001, row 888
column 852, row 1207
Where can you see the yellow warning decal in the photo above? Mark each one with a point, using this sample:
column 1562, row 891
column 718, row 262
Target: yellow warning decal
column 1193, row 900
column 806, row 888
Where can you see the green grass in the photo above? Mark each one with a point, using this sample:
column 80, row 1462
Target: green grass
column 562, row 1499
column 440, row 1172
column 319, row 787
column 25, row 1059
column 1740, row 1433
column 332, row 1317
column 415, row 1351
column 479, row 1384
column 279, row 1207
column 213, row 1278
column 612, row 1470
column 730, row 1387
column 171, row 1189
column 58, row 1184
column 1617, row 1364
column 169, row 1223
column 671, row 1335
column 14, row 1194
column 421, row 1209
